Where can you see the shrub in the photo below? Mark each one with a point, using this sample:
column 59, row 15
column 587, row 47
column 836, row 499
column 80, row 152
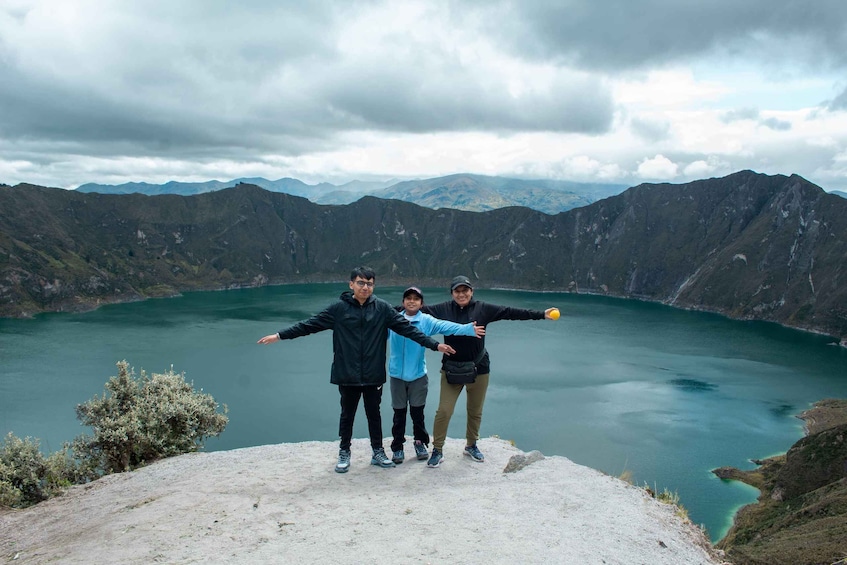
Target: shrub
column 26, row 477
column 136, row 421
column 22, row 472
column 141, row 419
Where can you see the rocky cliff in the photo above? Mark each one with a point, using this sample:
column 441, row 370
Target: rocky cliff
column 801, row 516
column 750, row 246
column 284, row 504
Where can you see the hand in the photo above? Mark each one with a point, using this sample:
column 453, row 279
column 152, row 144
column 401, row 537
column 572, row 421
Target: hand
column 269, row 339
column 547, row 313
column 446, row 349
column 480, row 330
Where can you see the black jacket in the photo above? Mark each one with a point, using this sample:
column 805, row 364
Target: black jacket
column 359, row 337
column 468, row 348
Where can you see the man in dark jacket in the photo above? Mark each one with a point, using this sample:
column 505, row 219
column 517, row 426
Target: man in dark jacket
column 463, row 309
column 359, row 322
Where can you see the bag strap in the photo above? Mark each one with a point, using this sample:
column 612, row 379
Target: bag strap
column 481, row 353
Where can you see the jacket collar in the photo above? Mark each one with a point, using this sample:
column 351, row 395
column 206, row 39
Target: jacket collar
column 347, row 296
column 455, row 305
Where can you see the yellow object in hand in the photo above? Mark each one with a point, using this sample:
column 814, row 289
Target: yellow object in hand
column 554, row 314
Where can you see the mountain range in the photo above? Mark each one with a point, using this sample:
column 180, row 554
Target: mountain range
column 750, row 246
column 476, row 193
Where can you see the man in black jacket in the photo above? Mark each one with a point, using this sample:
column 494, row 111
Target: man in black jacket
column 463, row 309
column 359, row 322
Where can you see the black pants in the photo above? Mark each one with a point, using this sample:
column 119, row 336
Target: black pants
column 398, row 430
column 372, row 396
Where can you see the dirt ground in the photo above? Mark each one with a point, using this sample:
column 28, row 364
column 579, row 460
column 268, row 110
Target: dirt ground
column 285, row 504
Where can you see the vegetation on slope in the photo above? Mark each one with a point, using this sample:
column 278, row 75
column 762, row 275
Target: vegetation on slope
column 801, row 515
column 136, row 421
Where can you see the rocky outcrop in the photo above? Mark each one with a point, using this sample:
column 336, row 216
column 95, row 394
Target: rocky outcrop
column 801, row 515
column 284, row 504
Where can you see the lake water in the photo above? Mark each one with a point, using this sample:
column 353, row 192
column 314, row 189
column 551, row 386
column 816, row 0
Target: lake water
column 616, row 385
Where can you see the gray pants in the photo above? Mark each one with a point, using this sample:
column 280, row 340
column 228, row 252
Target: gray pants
column 413, row 395
column 409, row 393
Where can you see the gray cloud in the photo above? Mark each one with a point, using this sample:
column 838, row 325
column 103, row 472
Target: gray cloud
column 839, row 102
column 445, row 100
column 650, row 130
column 198, row 78
column 618, row 35
column 775, row 124
column 740, row 114
column 191, row 83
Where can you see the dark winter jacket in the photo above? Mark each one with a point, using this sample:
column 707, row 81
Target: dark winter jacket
column 359, row 337
column 468, row 348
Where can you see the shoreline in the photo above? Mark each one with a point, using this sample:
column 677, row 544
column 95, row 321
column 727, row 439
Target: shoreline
column 824, row 414
column 802, row 494
column 83, row 306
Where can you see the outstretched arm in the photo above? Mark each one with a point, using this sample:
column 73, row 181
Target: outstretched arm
column 444, row 327
column 317, row 323
column 493, row 312
column 401, row 326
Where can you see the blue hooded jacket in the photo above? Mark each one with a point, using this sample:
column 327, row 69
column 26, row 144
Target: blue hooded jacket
column 407, row 360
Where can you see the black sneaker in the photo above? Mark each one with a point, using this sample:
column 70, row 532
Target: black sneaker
column 343, row 464
column 398, row 456
column 435, row 459
column 420, row 450
column 474, row 453
column 380, row 459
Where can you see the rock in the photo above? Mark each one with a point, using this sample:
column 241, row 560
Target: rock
column 520, row 461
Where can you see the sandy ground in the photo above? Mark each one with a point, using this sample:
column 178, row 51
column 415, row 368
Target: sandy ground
column 285, row 504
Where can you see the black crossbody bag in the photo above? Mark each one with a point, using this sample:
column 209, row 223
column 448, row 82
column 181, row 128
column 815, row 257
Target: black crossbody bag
column 462, row 372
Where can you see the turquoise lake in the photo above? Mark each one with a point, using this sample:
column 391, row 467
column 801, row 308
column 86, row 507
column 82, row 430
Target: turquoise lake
column 616, row 385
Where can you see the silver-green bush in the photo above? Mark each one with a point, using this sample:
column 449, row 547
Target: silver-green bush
column 140, row 419
column 27, row 477
column 22, row 470
column 137, row 420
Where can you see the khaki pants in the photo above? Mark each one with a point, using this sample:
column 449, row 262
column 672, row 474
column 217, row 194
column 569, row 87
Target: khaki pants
column 475, row 393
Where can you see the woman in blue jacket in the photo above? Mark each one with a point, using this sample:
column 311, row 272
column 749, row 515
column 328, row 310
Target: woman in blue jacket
column 407, row 369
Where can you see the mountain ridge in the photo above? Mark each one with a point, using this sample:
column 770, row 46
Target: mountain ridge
column 749, row 246
column 463, row 191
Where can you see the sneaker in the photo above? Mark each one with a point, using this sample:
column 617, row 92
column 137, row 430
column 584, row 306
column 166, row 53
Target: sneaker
column 474, row 453
column 398, row 456
column 380, row 459
column 435, row 459
column 343, row 464
column 420, row 451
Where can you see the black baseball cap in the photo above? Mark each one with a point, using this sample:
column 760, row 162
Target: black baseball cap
column 413, row 290
column 461, row 280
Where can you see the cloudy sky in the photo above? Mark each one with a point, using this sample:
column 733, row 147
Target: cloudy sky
column 623, row 91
